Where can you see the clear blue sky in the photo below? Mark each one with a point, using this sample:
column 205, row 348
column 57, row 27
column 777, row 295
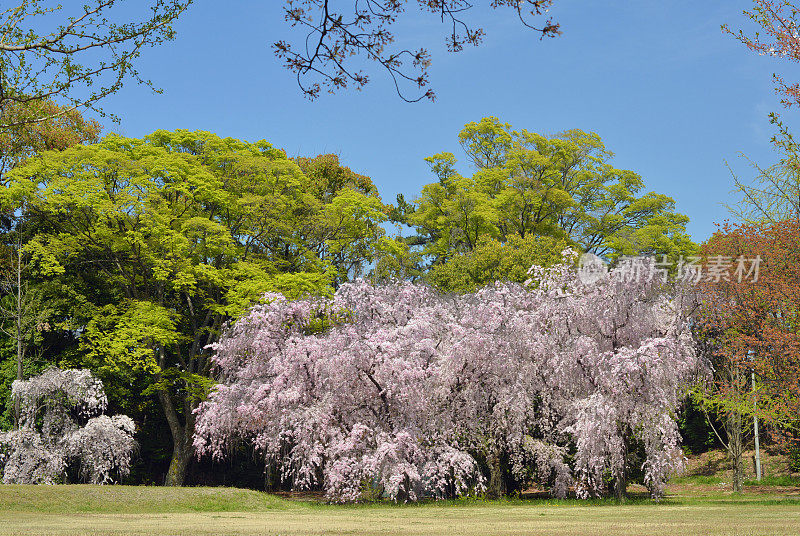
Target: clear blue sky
column 671, row 95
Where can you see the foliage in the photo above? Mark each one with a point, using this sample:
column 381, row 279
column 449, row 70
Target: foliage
column 492, row 261
column 395, row 260
column 346, row 235
column 774, row 195
column 755, row 322
column 29, row 311
column 50, row 434
column 166, row 238
column 697, row 435
column 30, row 136
column 333, row 36
column 412, row 391
column 749, row 327
column 76, row 55
column 528, row 184
column 794, row 455
column 26, row 307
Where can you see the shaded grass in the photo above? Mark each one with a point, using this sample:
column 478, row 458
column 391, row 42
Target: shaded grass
column 84, row 498
column 134, row 499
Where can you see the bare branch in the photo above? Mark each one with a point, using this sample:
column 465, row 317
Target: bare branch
column 333, row 37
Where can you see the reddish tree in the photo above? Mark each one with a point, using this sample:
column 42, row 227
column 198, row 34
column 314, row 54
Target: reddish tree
column 751, row 325
column 63, row 129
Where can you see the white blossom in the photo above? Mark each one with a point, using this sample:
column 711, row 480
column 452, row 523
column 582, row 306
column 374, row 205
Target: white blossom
column 49, row 438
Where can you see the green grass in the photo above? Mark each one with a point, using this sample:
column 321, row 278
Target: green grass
column 134, row 500
column 702, row 480
column 771, row 480
column 146, row 511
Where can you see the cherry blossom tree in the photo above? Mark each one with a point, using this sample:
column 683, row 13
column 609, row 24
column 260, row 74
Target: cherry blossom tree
column 622, row 355
column 335, row 34
column 778, row 36
column 50, row 436
column 415, row 393
column 346, row 405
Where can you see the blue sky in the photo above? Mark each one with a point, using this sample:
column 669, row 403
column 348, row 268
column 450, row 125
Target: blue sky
column 668, row 92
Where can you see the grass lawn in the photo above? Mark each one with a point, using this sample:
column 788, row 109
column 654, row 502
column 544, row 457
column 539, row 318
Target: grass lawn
column 124, row 510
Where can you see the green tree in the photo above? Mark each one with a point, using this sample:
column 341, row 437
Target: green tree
column 27, row 137
column 168, row 237
column 395, row 260
column 25, row 305
column 346, row 234
column 525, row 184
column 492, row 260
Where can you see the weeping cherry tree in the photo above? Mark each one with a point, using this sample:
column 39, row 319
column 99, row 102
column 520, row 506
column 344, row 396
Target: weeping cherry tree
column 51, row 437
column 408, row 393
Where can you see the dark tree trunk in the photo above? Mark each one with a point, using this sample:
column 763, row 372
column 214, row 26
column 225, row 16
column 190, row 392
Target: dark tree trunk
column 178, row 465
column 182, row 434
column 497, row 484
column 620, row 484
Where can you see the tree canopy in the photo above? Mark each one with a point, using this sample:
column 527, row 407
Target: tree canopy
column 526, row 184
column 163, row 239
column 75, row 55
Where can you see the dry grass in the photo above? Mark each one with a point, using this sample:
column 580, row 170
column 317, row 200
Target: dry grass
column 518, row 519
column 120, row 510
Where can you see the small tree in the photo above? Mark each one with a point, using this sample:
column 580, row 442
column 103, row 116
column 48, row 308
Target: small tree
column 22, row 315
column 752, row 327
column 50, row 436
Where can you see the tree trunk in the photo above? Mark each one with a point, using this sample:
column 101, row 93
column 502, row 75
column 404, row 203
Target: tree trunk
column 733, row 425
column 620, row 486
column 176, row 474
column 181, row 441
column 18, row 331
column 497, row 484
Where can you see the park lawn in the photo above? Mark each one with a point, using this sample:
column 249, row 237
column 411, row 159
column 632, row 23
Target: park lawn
column 132, row 510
